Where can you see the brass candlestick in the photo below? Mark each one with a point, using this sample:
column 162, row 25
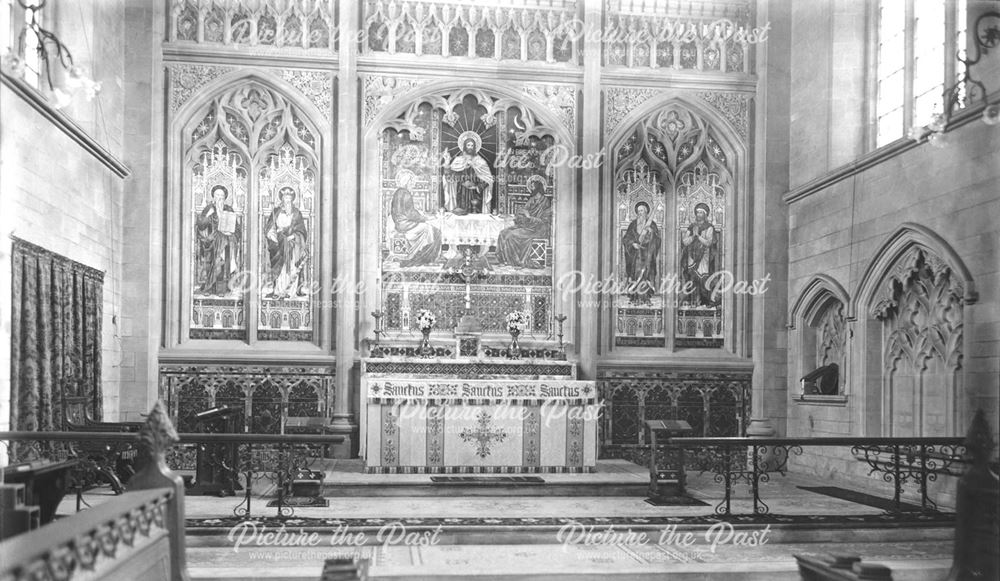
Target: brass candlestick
column 377, row 314
column 560, row 318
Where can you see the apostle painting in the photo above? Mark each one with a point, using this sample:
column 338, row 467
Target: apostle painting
column 287, row 250
column 219, row 236
column 641, row 245
column 699, row 252
column 531, row 221
column 468, row 185
column 424, row 239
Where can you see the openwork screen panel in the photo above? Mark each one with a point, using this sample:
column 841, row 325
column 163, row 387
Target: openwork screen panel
column 714, row 405
column 304, row 26
column 547, row 31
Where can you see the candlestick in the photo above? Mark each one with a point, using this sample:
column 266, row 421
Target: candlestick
column 560, row 318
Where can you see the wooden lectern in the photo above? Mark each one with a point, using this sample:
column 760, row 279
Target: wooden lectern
column 217, row 466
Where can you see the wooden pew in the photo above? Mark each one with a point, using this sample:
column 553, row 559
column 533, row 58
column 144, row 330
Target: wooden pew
column 137, row 535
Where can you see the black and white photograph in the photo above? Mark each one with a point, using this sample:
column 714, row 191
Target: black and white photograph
column 499, row 290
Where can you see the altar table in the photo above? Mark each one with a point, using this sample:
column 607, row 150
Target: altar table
column 449, row 425
column 474, row 229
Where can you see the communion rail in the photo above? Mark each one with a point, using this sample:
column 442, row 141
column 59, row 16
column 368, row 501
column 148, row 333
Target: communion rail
column 235, row 462
column 751, row 461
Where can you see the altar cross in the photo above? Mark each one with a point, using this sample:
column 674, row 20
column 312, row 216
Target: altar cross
column 484, row 435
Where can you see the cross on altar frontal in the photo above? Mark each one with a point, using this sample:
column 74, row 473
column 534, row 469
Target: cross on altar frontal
column 431, row 416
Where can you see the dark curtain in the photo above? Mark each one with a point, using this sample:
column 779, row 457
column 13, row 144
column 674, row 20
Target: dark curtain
column 55, row 337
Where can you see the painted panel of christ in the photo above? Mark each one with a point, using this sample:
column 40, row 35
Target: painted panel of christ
column 468, row 184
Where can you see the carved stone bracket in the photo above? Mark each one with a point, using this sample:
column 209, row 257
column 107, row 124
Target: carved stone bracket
column 382, row 90
column 620, row 101
column 735, row 107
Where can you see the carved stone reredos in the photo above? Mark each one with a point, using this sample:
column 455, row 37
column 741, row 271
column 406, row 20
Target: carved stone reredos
column 157, row 435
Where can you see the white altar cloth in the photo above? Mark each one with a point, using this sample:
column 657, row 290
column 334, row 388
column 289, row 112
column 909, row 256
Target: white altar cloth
column 477, row 229
column 467, row 425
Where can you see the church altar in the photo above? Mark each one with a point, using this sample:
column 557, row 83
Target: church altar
column 512, row 417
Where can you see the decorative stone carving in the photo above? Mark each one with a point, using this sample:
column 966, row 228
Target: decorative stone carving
column 831, row 338
column 620, row 101
column 922, row 304
column 186, row 79
column 381, row 90
column 735, row 107
column 560, row 99
column 303, row 25
column 533, row 31
column 317, row 86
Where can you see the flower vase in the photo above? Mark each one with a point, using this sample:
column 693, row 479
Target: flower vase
column 514, row 350
column 425, row 345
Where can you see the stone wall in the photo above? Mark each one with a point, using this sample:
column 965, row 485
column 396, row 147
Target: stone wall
column 838, row 224
column 58, row 195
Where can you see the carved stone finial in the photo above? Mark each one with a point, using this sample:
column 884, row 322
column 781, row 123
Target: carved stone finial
column 157, row 435
column 978, row 441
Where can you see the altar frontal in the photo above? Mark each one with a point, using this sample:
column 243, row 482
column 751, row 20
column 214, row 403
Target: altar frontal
column 479, row 426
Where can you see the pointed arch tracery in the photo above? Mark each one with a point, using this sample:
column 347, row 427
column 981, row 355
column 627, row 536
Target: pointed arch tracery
column 251, row 163
column 672, row 163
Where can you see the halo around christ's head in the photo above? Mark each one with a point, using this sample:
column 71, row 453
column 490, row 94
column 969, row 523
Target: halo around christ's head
column 466, row 136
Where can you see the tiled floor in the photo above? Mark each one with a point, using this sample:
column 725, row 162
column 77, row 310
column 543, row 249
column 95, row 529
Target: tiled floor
column 477, row 540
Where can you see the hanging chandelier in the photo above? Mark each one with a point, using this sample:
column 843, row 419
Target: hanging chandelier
column 51, row 52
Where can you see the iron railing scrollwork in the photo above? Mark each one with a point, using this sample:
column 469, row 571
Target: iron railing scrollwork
column 752, row 461
column 237, row 461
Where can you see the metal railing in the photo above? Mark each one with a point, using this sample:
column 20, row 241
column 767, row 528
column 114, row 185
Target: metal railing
column 751, row 461
column 234, row 462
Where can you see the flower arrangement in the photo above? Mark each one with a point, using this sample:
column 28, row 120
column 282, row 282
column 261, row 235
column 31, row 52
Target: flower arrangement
column 425, row 320
column 517, row 321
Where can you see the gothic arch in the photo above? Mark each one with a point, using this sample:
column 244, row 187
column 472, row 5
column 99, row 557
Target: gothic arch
column 302, row 131
column 734, row 146
column 910, row 320
column 720, row 149
column 400, row 114
column 226, row 82
column 420, row 92
column 820, row 289
column 896, row 246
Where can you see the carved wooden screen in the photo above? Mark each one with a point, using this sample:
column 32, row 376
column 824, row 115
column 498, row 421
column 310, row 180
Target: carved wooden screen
column 466, row 172
column 673, row 190
column 252, row 165
column 920, row 307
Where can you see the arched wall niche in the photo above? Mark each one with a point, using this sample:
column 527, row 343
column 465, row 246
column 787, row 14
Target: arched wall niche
column 410, row 264
column 266, row 144
column 910, row 309
column 676, row 154
column 819, row 332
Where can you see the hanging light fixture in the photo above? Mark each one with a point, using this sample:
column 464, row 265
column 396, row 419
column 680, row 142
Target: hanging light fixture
column 50, row 51
column 967, row 90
